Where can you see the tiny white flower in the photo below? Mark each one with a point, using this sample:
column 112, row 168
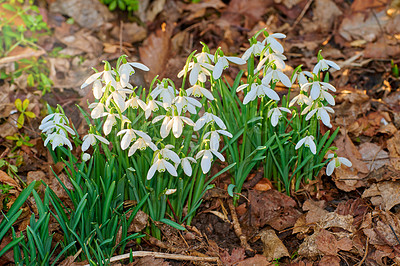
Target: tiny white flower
column 170, row 191
column 152, row 106
column 324, row 65
column 206, row 118
column 109, row 123
column 204, row 57
column 276, row 75
column 273, row 43
column 161, row 165
column 335, row 163
column 275, row 114
column 208, row 158
column 134, row 103
column 185, row 163
column 90, row 140
column 215, row 135
column 222, row 64
column 168, row 154
column 316, row 88
column 58, row 138
column 129, row 135
column 276, row 58
column 301, row 77
column 98, row 110
column 166, row 94
column 98, row 89
column 176, row 124
column 322, row 114
column 260, row 91
column 119, row 96
column 107, row 78
column 254, row 49
column 198, row 72
column 165, row 128
column 141, row 144
column 85, row 157
column 199, row 91
column 186, row 103
column 126, row 70
column 300, row 99
column 308, row 141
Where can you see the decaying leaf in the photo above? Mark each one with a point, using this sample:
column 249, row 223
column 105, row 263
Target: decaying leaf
column 257, row 260
column 393, row 146
column 326, row 12
column 385, row 194
column 373, row 155
column 273, row 208
column 273, row 246
column 236, row 255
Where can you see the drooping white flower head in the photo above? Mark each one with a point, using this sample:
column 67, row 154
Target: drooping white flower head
column 56, row 128
column 129, row 135
column 185, row 163
column 58, row 138
column 300, row 99
column 316, row 88
column 107, row 78
column 273, row 43
column 152, row 106
column 335, row 163
column 302, row 77
column 90, row 140
column 322, row 114
column 199, row 91
column 222, row 64
column 260, row 91
column 126, row 70
column 141, row 144
column 276, row 58
column 168, row 154
column 165, row 93
column 276, row 75
column 198, row 72
column 186, row 103
column 134, row 102
column 275, row 114
column 161, row 165
column 254, row 49
column 324, row 65
column 307, row 141
column 207, row 118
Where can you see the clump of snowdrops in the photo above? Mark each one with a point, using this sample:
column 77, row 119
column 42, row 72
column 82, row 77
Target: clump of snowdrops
column 163, row 140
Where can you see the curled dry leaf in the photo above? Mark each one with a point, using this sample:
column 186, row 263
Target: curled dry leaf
column 272, row 245
column 6, row 179
column 384, row 194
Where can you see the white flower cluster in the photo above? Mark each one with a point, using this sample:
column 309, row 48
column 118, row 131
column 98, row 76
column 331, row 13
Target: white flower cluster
column 56, row 128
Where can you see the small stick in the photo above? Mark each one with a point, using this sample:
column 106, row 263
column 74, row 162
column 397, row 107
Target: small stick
column 303, row 12
column 173, row 212
column 366, row 253
column 160, row 255
column 238, row 230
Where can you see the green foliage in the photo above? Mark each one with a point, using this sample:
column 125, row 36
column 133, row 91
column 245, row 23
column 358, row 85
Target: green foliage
column 5, row 190
column 125, row 5
column 22, row 108
column 395, row 69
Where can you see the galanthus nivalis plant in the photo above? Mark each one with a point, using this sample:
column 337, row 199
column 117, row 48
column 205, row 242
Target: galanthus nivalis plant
column 164, row 140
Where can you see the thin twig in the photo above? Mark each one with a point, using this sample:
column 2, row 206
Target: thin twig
column 160, row 255
column 303, row 12
column 366, row 252
column 237, row 228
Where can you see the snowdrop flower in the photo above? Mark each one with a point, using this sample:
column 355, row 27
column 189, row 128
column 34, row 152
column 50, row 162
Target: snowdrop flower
column 130, row 134
column 119, row 96
column 215, row 135
column 322, row 114
column 127, row 69
column 301, row 77
column 308, row 141
column 98, row 110
column 176, row 124
column 55, row 122
column 134, row 102
column 184, row 103
column 260, row 91
column 273, row 43
column 324, row 65
column 254, row 49
column 107, row 78
column 168, row 154
column 170, row 191
column 204, row 57
column 141, row 144
column 300, row 99
column 58, row 138
column 276, row 75
column 152, row 106
column 199, row 91
column 206, row 118
column 327, row 96
column 85, row 157
column 275, row 114
column 208, row 158
column 90, row 140
column 164, row 129
column 335, row 163
column 109, row 123
column 316, row 88
column 276, row 58
column 161, row 165
column 166, row 93
column 222, row 64
column 185, row 163
column 198, row 72
column 98, row 89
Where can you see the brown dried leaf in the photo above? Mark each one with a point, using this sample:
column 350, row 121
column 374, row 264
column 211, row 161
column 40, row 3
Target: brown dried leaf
column 257, row 260
column 236, row 256
column 329, row 260
column 273, row 246
column 131, row 33
column 381, row 50
column 273, row 208
column 6, row 179
column 325, row 13
column 149, row 261
column 373, row 155
column 139, row 222
column 393, row 146
column 198, row 10
column 347, row 149
column 385, row 194
column 155, row 52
